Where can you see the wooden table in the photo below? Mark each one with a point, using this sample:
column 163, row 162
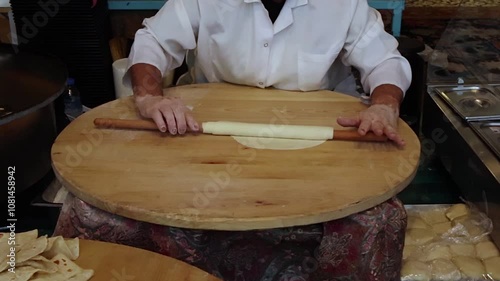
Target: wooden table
column 212, row 182
column 118, row 262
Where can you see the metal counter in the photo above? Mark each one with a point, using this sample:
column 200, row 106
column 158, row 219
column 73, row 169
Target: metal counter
column 470, row 162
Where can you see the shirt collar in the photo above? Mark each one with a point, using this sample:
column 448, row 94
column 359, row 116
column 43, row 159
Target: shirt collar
column 294, row 3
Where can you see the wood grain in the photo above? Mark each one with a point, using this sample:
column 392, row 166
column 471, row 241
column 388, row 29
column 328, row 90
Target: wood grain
column 212, row 182
column 119, row 262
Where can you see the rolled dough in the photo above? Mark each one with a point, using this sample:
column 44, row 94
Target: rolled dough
column 277, row 144
column 268, row 130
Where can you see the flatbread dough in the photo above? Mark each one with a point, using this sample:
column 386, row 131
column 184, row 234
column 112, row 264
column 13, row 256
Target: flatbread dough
column 436, row 251
column 492, row 266
column 415, row 271
column 434, row 216
column 416, row 222
column 442, row 227
column 463, row 250
column 276, row 144
column 408, row 251
column 268, row 130
column 456, row 211
column 470, row 267
column 442, row 269
column 486, row 250
column 418, row 236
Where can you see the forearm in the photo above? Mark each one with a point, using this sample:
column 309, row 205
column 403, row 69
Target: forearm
column 387, row 94
column 146, row 80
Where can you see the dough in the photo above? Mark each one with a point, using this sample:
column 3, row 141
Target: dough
column 415, row 271
column 467, row 226
column 456, row 211
column 268, row 130
column 436, row 251
column 492, row 266
column 418, row 236
column 486, row 250
column 463, row 250
column 442, row 227
column 470, row 267
column 416, row 222
column 276, row 144
column 408, row 251
column 442, row 269
column 434, row 216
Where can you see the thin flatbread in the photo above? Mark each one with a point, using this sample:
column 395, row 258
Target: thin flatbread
column 66, row 270
column 41, row 263
column 21, row 274
column 59, row 245
column 31, row 249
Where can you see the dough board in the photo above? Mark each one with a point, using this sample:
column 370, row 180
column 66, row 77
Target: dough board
column 213, row 182
column 118, row 262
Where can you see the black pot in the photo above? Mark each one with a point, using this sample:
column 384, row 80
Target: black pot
column 29, row 85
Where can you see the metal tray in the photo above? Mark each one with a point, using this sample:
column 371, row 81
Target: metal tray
column 472, row 103
column 489, row 132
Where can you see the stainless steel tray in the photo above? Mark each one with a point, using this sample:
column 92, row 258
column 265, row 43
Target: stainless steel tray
column 472, row 103
column 489, row 132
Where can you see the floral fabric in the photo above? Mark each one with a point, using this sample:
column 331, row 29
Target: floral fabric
column 366, row 246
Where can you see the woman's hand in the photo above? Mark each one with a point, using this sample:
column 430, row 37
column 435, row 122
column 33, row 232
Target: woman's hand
column 381, row 117
column 168, row 113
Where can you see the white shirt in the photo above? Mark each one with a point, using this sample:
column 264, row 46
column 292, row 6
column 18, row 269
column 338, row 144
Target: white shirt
column 309, row 47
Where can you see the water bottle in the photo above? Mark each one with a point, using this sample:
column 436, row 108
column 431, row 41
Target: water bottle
column 72, row 103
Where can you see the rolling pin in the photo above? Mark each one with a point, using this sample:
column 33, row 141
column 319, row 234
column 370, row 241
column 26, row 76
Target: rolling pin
column 251, row 130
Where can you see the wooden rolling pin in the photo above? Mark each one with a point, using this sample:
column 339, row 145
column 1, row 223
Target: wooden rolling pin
column 349, row 135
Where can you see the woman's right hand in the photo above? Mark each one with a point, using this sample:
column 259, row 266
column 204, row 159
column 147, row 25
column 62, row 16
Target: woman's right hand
column 168, row 113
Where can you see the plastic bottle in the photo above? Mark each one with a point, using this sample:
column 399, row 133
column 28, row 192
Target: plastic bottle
column 72, row 102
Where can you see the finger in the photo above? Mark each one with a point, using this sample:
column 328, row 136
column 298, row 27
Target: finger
column 180, row 119
column 191, row 122
column 158, row 118
column 364, row 126
column 377, row 127
column 348, row 122
column 393, row 135
column 169, row 117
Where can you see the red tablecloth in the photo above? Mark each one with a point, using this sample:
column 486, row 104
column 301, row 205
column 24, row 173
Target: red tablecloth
column 366, row 246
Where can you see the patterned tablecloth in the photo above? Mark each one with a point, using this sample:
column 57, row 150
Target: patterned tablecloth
column 365, row 246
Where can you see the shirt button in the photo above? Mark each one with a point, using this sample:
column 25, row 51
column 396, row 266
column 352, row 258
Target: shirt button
column 261, row 83
column 265, row 45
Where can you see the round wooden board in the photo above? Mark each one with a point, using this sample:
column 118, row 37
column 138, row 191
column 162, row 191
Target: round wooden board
column 119, row 262
column 213, row 182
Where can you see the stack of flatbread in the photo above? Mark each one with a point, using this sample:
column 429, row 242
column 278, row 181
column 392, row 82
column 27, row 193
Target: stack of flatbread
column 41, row 259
